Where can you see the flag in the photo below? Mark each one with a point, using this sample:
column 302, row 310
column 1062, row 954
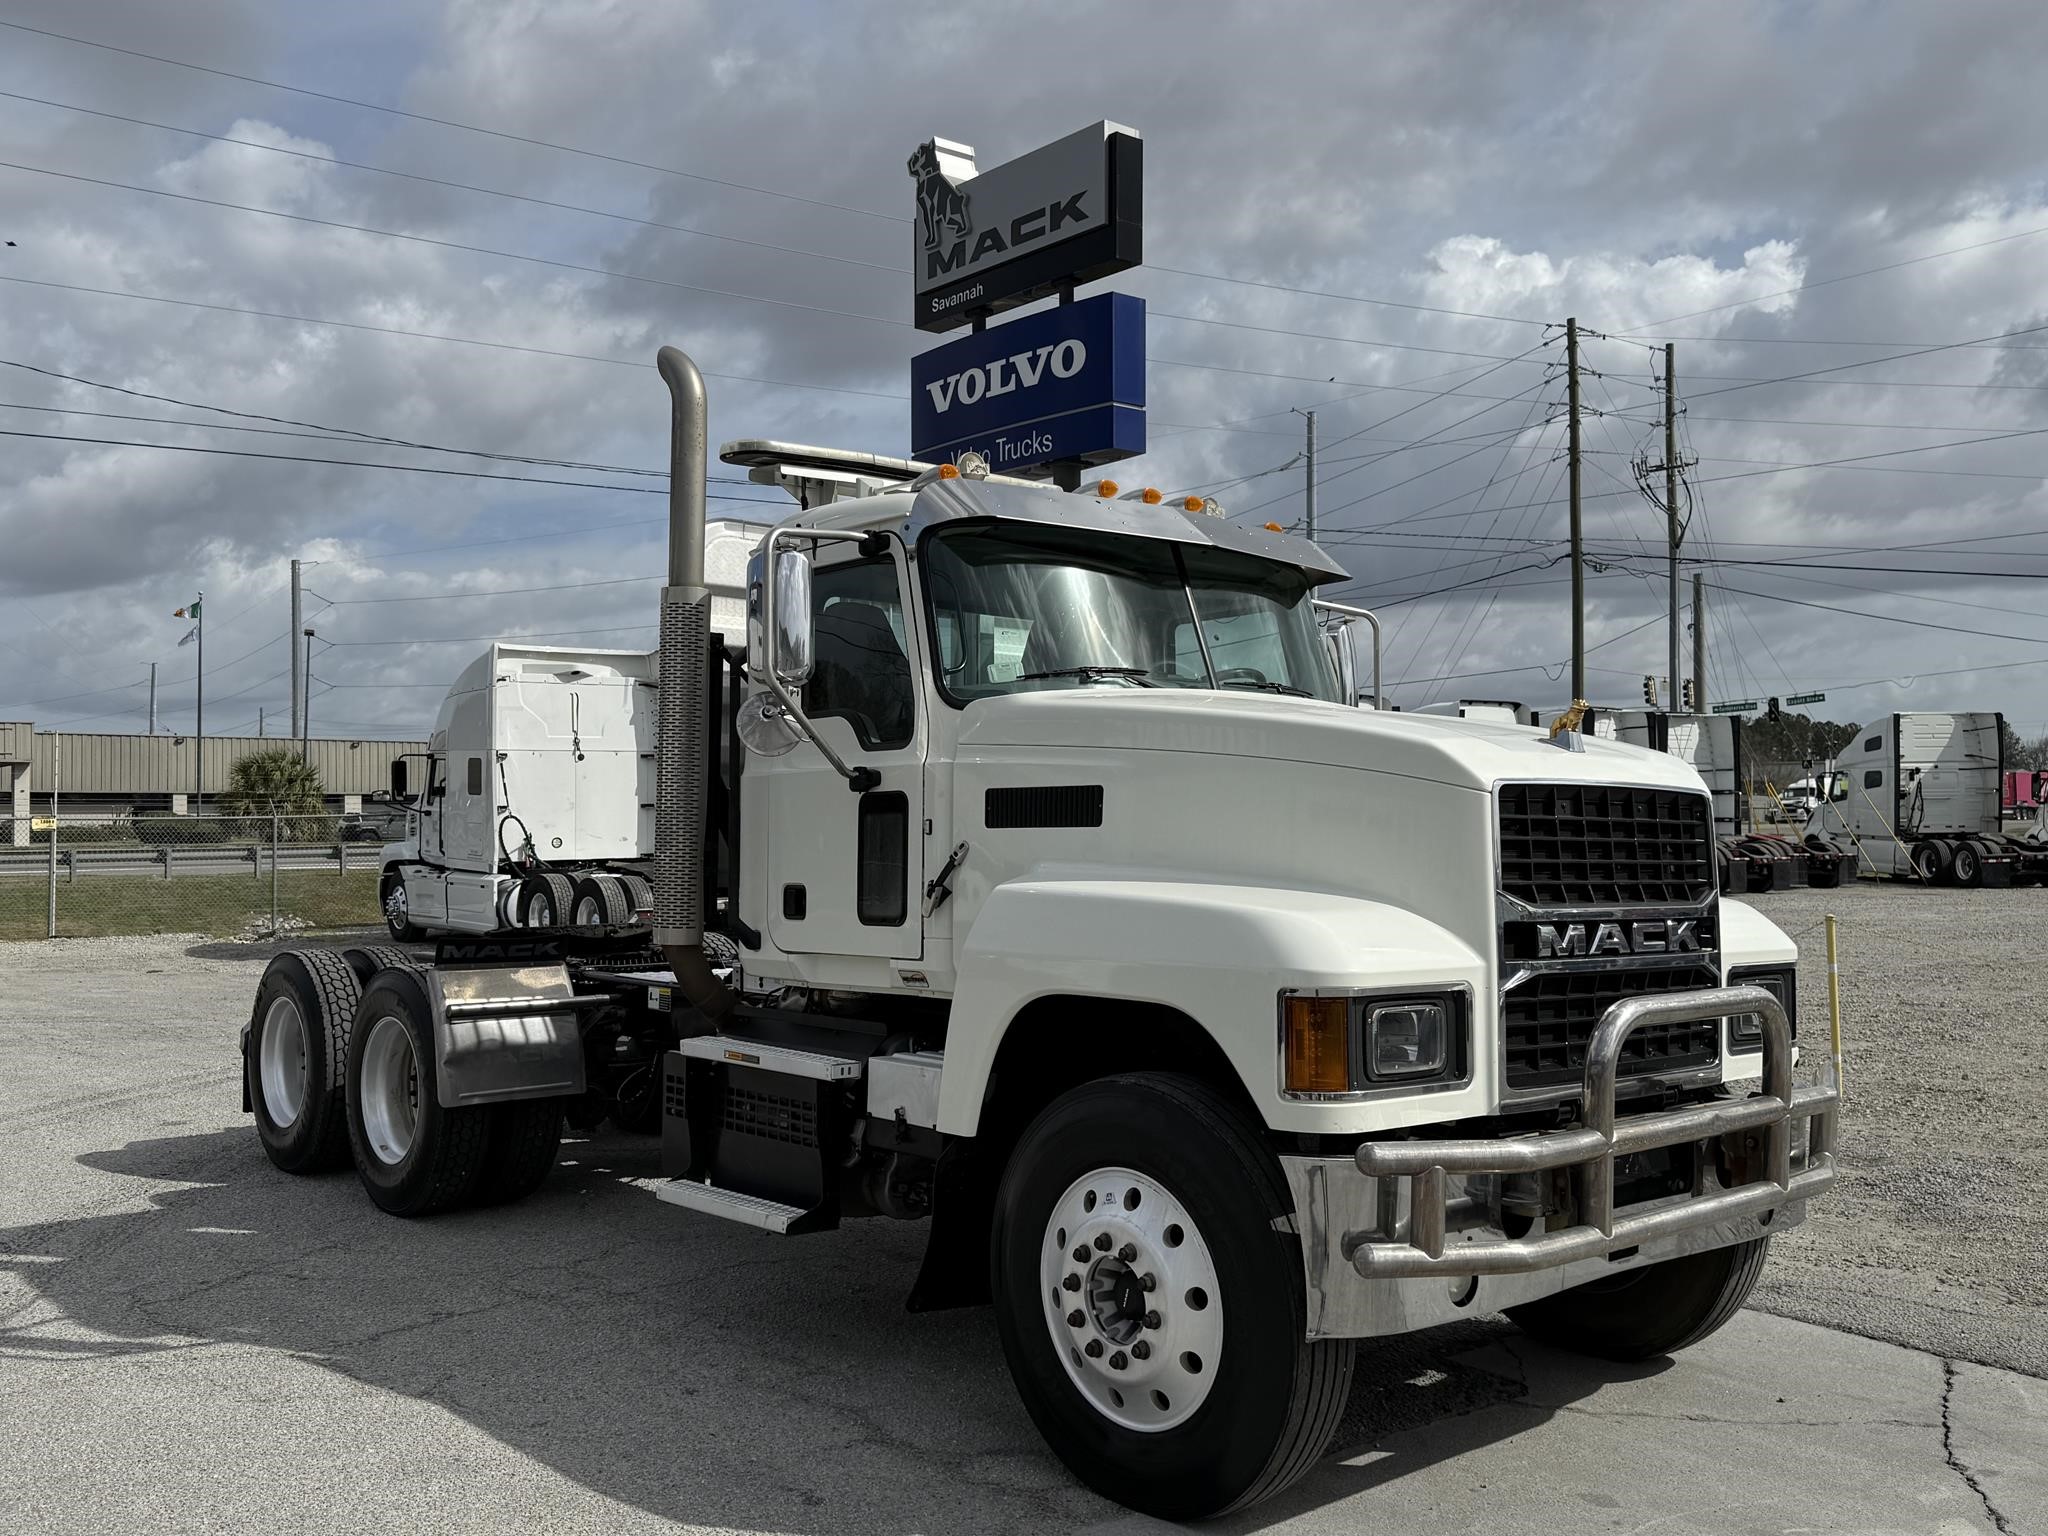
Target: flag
column 189, row 612
column 190, row 635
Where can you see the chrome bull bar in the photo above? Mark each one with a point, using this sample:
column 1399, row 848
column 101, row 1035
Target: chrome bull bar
column 1590, row 1152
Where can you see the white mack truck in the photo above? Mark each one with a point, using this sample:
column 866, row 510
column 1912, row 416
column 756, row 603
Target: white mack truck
column 1211, row 1023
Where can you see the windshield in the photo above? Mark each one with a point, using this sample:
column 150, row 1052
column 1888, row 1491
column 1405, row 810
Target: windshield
column 1017, row 608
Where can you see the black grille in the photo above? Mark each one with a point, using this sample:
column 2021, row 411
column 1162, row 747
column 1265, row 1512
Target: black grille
column 1600, row 845
column 771, row 1116
column 1044, row 805
column 1548, row 1021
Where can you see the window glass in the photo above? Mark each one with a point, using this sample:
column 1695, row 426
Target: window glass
column 1018, row 608
column 1873, row 744
column 476, row 776
column 861, row 671
column 1873, row 777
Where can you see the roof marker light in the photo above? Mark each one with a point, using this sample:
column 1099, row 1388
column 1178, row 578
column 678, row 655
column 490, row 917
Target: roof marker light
column 949, row 471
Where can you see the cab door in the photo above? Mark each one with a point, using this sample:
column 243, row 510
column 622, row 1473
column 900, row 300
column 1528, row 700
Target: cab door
column 845, row 870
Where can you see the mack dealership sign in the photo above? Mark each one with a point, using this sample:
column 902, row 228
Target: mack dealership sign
column 1064, row 385
column 985, row 242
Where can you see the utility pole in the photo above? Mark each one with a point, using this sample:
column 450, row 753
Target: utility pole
column 1699, row 642
column 1671, row 499
column 259, row 720
column 1309, row 522
column 306, row 703
column 152, row 698
column 1571, row 356
column 298, row 702
column 199, row 707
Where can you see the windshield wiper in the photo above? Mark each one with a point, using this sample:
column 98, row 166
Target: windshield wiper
column 1137, row 675
column 1287, row 688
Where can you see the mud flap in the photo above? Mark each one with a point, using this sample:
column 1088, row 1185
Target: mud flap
column 955, row 1272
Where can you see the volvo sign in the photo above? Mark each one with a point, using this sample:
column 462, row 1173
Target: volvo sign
column 985, row 242
column 1065, row 385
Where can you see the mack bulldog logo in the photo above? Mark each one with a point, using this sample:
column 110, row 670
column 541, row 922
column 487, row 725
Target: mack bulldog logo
column 1660, row 936
column 942, row 213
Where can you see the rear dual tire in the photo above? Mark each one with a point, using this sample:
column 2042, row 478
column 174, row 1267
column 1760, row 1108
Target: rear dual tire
column 415, row 1155
column 295, row 1056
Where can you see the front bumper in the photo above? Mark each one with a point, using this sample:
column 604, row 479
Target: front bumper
column 1406, row 1234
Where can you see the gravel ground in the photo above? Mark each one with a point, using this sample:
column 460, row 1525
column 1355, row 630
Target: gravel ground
column 190, row 1341
column 1937, row 1234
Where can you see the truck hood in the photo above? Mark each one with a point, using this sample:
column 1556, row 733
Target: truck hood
column 1471, row 754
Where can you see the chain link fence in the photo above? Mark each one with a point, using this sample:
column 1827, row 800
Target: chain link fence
column 93, row 875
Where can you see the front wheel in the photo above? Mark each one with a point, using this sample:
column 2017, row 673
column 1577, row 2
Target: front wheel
column 397, row 911
column 1650, row 1311
column 1149, row 1298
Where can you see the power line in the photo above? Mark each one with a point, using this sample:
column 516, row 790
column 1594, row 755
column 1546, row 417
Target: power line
column 411, row 469
column 459, row 186
column 467, row 341
column 442, row 597
column 1888, row 618
column 444, row 122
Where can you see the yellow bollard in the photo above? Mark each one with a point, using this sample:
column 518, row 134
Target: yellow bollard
column 1835, row 1007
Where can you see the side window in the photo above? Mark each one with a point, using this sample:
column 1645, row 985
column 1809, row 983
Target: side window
column 862, row 670
column 1873, row 744
column 882, row 886
column 1872, row 777
column 475, row 785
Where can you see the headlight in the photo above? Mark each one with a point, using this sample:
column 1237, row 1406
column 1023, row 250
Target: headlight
column 1746, row 1030
column 1406, row 1039
column 1336, row 1044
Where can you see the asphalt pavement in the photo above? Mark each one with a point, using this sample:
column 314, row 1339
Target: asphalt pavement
column 191, row 1341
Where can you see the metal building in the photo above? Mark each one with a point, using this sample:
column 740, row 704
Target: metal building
column 82, row 770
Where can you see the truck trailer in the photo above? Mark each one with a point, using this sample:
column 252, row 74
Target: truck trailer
column 1023, row 869
column 1919, row 794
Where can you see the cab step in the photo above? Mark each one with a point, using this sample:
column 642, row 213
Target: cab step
column 730, row 1204
column 755, row 1130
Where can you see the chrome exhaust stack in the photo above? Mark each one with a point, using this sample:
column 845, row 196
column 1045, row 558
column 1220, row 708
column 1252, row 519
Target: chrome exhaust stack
column 683, row 765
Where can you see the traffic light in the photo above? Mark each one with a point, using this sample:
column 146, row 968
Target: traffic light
column 1772, row 713
column 1650, row 691
column 1686, row 695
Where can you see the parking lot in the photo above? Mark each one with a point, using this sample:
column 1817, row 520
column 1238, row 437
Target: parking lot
column 191, row 1341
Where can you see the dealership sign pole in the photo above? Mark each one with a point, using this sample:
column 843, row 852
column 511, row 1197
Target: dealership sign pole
column 1058, row 391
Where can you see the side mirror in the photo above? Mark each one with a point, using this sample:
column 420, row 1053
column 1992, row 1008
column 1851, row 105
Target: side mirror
column 398, row 778
column 792, row 653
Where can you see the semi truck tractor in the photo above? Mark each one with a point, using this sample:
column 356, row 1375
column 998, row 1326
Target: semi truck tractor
column 1211, row 1025
column 534, row 803
column 1919, row 793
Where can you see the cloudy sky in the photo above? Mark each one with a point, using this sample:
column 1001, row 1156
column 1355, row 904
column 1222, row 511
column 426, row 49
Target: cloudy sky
column 1835, row 210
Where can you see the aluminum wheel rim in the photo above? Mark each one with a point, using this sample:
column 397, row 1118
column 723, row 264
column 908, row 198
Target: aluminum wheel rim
column 588, row 913
column 394, row 901
column 282, row 1057
column 540, row 910
column 389, row 1090
column 1144, row 1357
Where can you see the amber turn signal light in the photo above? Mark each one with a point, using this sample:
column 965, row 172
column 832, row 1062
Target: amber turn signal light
column 1316, row 1044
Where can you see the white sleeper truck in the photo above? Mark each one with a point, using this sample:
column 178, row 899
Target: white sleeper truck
column 1210, row 1023
column 1920, row 795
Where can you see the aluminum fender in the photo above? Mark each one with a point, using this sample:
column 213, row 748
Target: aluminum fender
column 1750, row 938
column 1221, row 954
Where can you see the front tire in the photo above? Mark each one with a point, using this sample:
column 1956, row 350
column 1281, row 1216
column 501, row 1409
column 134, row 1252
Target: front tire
column 1199, row 1394
column 397, row 911
column 414, row 1156
column 1651, row 1311
column 293, row 1066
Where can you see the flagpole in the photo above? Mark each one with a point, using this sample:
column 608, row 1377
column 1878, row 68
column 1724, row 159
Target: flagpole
column 199, row 712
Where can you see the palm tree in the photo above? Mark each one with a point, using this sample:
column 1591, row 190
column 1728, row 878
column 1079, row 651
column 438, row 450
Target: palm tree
column 277, row 783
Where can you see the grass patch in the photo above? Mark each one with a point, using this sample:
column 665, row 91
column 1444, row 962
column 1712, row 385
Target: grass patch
column 98, row 906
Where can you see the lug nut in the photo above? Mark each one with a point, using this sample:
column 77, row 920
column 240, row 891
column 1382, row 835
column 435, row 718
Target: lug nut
column 1071, row 1283
column 1093, row 1350
column 1148, row 1282
column 1151, row 1319
column 1076, row 1318
column 1081, row 1253
column 1102, row 1242
column 1118, row 1361
column 1128, row 1253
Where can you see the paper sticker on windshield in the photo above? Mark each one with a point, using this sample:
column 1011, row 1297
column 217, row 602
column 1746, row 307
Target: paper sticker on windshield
column 1006, row 651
